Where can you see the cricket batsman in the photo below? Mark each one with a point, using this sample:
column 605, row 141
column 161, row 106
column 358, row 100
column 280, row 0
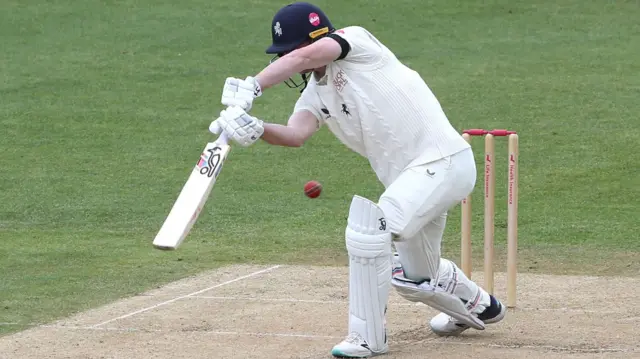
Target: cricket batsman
column 383, row 110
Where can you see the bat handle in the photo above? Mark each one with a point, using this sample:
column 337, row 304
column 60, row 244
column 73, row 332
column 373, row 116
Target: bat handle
column 223, row 139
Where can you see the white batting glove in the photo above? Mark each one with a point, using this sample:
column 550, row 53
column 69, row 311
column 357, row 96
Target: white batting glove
column 240, row 127
column 237, row 92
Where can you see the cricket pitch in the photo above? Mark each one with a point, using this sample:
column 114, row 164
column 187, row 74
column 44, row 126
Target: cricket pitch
column 285, row 311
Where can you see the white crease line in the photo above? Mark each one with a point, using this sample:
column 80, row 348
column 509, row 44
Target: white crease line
column 186, row 296
column 576, row 349
column 630, row 319
column 563, row 349
column 114, row 329
column 570, row 310
column 106, row 329
column 316, row 301
column 343, row 302
column 286, row 300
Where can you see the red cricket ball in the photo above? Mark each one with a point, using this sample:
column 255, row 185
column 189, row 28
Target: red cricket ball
column 312, row 189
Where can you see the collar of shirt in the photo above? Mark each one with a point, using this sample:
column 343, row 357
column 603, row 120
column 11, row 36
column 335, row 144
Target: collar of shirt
column 322, row 81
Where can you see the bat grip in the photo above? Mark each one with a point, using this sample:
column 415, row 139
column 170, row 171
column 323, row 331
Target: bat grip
column 223, row 139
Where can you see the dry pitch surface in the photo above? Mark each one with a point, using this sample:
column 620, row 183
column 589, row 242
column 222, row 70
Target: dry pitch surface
column 300, row 312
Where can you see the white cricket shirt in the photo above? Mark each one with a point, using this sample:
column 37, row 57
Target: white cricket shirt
column 380, row 108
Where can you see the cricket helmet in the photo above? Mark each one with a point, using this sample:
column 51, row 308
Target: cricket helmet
column 295, row 24
column 292, row 26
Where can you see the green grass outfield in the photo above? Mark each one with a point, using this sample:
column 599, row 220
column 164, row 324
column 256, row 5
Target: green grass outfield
column 105, row 105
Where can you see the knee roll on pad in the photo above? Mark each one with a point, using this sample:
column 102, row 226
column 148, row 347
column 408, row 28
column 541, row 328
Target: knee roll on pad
column 367, row 235
column 368, row 242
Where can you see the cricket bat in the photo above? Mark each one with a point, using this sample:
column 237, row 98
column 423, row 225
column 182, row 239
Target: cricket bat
column 194, row 195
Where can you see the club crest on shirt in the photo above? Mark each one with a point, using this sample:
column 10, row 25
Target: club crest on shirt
column 340, row 81
column 345, row 110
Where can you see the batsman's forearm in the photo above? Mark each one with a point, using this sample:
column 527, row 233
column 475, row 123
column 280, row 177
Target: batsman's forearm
column 281, row 70
column 281, row 135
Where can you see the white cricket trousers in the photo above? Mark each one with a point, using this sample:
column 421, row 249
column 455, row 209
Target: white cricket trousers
column 416, row 205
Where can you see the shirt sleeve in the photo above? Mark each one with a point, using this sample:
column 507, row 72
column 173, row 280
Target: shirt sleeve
column 364, row 47
column 310, row 101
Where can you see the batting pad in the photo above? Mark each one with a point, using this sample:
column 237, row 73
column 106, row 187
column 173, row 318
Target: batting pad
column 369, row 246
column 437, row 298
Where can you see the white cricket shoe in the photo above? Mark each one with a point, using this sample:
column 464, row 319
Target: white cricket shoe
column 445, row 325
column 354, row 346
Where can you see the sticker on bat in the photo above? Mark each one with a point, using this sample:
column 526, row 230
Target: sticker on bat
column 209, row 162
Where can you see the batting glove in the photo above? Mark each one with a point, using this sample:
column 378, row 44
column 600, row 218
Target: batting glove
column 239, row 126
column 241, row 93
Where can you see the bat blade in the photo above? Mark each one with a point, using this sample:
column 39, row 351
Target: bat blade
column 192, row 197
